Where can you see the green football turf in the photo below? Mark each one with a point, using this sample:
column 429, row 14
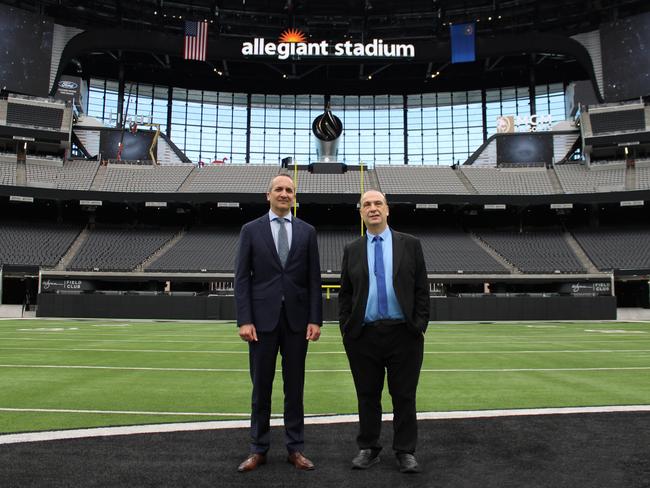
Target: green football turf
column 122, row 372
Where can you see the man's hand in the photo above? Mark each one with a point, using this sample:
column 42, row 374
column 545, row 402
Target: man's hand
column 313, row 332
column 248, row 332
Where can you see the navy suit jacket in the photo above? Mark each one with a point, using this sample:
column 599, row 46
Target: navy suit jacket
column 261, row 282
column 409, row 282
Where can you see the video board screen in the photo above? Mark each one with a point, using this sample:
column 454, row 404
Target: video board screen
column 136, row 146
column 26, row 41
column 625, row 48
column 525, row 148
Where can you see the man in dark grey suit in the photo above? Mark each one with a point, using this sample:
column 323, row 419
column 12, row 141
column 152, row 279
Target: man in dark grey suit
column 383, row 314
column 279, row 308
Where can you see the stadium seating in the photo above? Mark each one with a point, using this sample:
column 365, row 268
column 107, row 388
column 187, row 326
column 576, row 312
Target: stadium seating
column 616, row 249
column 330, row 248
column 42, row 173
column 349, row 182
column 642, row 173
column 454, row 251
column 7, row 169
column 419, row 180
column 30, row 244
column 202, row 250
column 520, row 181
column 424, row 180
column 118, row 249
column 77, row 175
column 68, row 175
column 146, row 179
column 534, row 252
column 576, row 178
column 230, row 179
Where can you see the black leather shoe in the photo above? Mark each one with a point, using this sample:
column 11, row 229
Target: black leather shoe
column 365, row 459
column 407, row 463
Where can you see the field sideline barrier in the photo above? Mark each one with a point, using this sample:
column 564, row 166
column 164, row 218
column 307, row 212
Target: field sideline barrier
column 223, row 307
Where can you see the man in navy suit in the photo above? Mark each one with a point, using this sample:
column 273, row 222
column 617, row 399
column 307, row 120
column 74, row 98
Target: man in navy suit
column 383, row 314
column 279, row 308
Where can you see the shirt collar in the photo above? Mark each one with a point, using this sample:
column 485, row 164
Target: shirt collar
column 384, row 235
column 273, row 216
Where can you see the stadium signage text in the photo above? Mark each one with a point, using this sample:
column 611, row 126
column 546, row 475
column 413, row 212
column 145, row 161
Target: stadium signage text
column 284, row 50
column 524, row 123
column 586, row 289
column 52, row 285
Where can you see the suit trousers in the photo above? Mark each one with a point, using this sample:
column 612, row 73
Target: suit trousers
column 397, row 351
column 262, row 361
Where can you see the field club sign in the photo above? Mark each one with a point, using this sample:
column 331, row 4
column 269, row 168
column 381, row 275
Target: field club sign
column 292, row 42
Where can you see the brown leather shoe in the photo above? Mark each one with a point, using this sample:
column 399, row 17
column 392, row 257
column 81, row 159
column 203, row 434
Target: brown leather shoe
column 299, row 461
column 252, row 462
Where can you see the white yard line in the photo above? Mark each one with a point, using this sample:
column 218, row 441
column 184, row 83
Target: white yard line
column 245, row 351
column 126, row 412
column 245, row 370
column 334, row 419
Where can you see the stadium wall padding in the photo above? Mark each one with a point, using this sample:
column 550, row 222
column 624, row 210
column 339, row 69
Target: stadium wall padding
column 223, row 307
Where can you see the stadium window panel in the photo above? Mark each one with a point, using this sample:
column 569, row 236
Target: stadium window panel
column 210, row 97
column 194, row 114
column 444, row 119
column 523, row 102
column 257, row 137
column 209, row 116
column 208, row 141
column 381, row 119
column 224, row 116
column 287, row 146
column 272, row 146
column 178, row 112
column 96, row 101
column 257, row 117
column 239, row 116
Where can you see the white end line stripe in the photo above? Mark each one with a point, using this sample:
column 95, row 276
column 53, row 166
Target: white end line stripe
column 245, row 370
column 335, row 419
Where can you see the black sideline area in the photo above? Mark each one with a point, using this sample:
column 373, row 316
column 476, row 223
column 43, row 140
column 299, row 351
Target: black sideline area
column 595, row 450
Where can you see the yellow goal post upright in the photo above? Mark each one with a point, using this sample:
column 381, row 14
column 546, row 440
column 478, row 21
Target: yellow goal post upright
column 154, row 142
column 295, row 184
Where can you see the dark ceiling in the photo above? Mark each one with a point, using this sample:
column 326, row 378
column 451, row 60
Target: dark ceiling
column 143, row 38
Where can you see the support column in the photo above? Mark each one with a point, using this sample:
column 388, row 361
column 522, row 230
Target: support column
column 120, row 94
column 531, row 85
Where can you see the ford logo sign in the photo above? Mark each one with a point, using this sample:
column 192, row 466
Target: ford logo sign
column 68, row 85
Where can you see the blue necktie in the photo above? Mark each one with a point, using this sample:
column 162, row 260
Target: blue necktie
column 380, row 276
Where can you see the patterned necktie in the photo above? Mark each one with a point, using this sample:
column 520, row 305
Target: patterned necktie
column 380, row 276
column 283, row 242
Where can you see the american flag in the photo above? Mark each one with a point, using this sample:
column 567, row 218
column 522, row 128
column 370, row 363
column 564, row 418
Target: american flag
column 196, row 40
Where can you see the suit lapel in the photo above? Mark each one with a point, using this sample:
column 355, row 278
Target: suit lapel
column 398, row 251
column 267, row 236
column 362, row 255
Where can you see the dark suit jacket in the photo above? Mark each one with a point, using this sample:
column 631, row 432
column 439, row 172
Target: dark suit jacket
column 261, row 282
column 409, row 282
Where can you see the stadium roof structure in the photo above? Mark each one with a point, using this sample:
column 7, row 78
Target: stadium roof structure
column 142, row 41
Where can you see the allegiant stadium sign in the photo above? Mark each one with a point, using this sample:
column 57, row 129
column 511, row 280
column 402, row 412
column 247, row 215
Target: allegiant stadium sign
column 292, row 44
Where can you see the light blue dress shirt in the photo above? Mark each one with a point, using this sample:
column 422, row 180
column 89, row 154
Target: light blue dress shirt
column 275, row 227
column 394, row 310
